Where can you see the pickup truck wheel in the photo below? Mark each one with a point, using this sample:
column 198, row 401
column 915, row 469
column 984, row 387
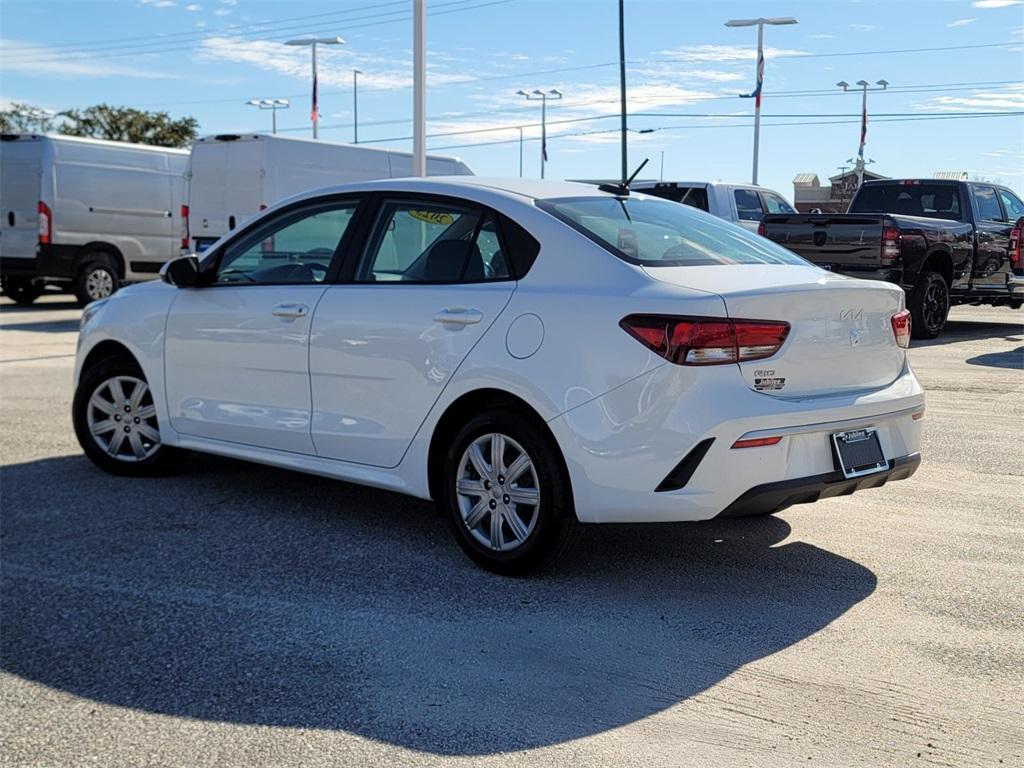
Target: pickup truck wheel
column 22, row 291
column 929, row 305
column 97, row 279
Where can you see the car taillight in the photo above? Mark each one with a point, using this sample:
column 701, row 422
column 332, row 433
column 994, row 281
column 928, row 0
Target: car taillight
column 762, row 230
column 892, row 239
column 45, row 223
column 706, row 340
column 184, row 227
column 1016, row 258
column 901, row 328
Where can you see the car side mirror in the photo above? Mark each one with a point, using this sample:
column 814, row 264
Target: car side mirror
column 182, row 272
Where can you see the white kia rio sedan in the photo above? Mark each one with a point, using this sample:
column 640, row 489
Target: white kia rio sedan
column 530, row 355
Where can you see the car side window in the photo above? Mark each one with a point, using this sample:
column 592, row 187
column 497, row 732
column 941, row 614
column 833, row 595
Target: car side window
column 988, row 204
column 748, row 205
column 776, row 204
column 295, row 247
column 427, row 242
column 1014, row 207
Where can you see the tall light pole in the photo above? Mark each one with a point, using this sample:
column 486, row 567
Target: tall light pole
column 273, row 105
column 419, row 88
column 622, row 92
column 520, row 151
column 859, row 165
column 355, row 105
column 542, row 96
column 313, row 42
column 756, row 94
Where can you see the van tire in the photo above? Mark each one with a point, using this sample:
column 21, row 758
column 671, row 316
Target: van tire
column 22, row 290
column 97, row 279
column 929, row 305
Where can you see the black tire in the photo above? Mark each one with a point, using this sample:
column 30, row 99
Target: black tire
column 555, row 527
column 22, row 290
column 97, row 279
column 929, row 305
column 162, row 460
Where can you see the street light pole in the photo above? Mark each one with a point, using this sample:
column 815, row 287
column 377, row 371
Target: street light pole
column 312, row 42
column 756, row 94
column 273, row 105
column 542, row 97
column 520, row 151
column 355, row 105
column 419, row 92
column 859, row 166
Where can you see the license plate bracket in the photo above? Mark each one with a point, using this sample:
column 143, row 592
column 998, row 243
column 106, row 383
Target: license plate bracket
column 859, row 452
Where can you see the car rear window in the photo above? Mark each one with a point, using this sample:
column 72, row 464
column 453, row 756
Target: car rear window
column 659, row 233
column 936, row 201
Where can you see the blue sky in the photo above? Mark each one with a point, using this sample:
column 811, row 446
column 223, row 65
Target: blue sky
column 205, row 58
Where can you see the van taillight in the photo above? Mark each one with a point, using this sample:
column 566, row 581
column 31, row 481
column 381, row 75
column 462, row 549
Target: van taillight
column 184, row 227
column 1016, row 258
column 762, row 230
column 706, row 340
column 45, row 223
column 892, row 239
column 901, row 328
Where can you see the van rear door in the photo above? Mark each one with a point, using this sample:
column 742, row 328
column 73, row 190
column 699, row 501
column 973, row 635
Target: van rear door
column 20, row 193
column 225, row 188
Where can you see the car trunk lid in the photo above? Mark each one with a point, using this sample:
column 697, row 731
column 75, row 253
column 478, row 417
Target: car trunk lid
column 840, row 339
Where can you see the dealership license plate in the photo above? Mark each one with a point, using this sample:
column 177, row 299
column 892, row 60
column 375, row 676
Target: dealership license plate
column 859, row 452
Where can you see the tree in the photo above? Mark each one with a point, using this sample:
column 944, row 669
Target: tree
column 26, row 118
column 103, row 121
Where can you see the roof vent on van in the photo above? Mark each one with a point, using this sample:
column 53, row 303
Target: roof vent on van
column 227, row 137
column 9, row 137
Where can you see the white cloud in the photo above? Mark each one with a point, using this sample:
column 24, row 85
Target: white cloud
column 961, row 22
column 822, row 37
column 726, row 53
column 200, row 24
column 1008, row 99
column 229, row 2
column 996, row 3
column 158, row 3
column 193, row 7
column 39, row 60
column 863, row 27
column 222, row 12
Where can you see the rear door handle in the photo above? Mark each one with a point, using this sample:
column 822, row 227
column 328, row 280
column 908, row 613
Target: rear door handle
column 459, row 316
column 290, row 310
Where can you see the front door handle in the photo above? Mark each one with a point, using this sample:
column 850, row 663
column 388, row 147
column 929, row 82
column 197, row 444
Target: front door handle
column 290, row 310
column 459, row 316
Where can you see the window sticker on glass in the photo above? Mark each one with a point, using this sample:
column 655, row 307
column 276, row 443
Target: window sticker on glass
column 434, row 217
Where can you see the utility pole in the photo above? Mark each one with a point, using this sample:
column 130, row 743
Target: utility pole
column 520, row 151
column 622, row 90
column 859, row 166
column 273, row 105
column 355, row 105
column 542, row 97
column 419, row 89
column 756, row 94
column 661, row 175
column 313, row 42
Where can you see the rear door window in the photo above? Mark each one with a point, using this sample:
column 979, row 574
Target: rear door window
column 748, row 205
column 988, row 204
column 776, row 204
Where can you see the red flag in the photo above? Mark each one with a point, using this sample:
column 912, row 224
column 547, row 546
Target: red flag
column 314, row 115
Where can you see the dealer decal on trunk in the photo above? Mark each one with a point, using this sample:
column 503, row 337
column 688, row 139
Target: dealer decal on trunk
column 765, row 380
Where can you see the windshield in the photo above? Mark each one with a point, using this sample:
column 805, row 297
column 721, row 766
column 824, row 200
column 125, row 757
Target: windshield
column 660, row 233
column 937, row 201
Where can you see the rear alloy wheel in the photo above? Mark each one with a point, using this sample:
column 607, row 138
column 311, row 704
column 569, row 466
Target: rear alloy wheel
column 929, row 305
column 116, row 423
column 96, row 280
column 507, row 495
column 22, row 290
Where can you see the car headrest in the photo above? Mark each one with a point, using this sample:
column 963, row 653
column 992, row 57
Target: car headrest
column 943, row 200
column 454, row 260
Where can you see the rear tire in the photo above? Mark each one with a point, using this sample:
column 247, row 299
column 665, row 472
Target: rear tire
column 97, row 279
column 513, row 515
column 115, row 421
column 22, row 290
column 929, row 305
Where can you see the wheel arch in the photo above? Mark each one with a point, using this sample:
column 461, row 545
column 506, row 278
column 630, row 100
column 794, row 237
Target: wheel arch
column 939, row 260
column 105, row 350
column 463, row 408
column 91, row 249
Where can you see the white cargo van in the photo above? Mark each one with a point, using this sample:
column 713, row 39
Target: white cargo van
column 86, row 214
column 233, row 176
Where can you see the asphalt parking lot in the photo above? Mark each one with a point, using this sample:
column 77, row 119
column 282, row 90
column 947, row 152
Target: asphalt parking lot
column 240, row 615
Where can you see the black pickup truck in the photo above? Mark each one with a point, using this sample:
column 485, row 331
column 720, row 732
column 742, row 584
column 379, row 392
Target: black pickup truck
column 945, row 242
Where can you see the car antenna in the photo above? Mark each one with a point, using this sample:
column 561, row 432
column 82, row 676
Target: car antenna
column 623, row 188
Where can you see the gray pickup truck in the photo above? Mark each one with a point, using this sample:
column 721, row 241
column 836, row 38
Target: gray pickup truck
column 945, row 242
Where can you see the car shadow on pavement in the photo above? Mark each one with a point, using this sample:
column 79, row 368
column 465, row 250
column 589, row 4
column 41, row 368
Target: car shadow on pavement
column 43, row 326
column 1013, row 359
column 973, row 330
column 243, row 594
column 7, row 308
